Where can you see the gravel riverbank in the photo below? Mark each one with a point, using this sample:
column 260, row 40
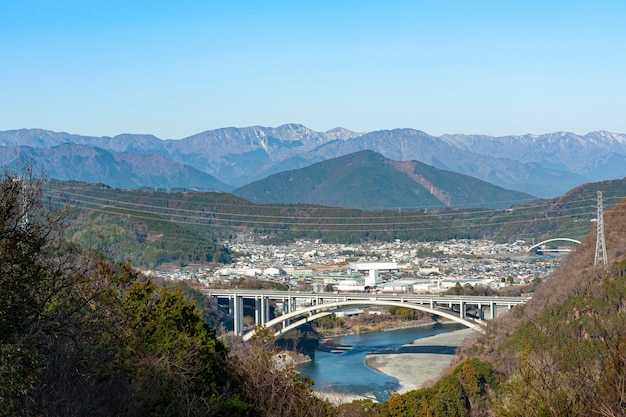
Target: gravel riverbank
column 422, row 360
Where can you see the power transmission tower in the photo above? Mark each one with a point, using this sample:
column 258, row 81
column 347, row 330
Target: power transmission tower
column 23, row 209
column 600, row 244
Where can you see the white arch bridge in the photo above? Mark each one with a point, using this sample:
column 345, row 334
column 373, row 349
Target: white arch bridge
column 556, row 239
column 303, row 307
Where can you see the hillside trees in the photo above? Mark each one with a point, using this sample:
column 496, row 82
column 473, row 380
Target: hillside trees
column 462, row 393
column 34, row 290
column 572, row 358
column 147, row 239
column 270, row 383
column 171, row 358
column 80, row 336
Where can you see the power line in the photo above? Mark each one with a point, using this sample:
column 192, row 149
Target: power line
column 86, row 199
column 229, row 216
column 159, row 210
column 194, row 217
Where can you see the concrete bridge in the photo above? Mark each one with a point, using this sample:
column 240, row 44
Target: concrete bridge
column 303, row 307
column 556, row 239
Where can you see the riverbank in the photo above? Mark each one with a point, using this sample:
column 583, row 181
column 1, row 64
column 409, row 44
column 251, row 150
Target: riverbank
column 421, row 361
column 368, row 371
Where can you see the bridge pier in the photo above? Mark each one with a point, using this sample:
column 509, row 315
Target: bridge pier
column 289, row 305
column 258, row 306
column 261, row 310
column 235, row 308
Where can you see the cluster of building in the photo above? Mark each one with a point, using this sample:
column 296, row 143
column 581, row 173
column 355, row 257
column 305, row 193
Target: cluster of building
column 400, row 266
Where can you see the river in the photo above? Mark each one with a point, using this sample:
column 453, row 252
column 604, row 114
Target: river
column 346, row 372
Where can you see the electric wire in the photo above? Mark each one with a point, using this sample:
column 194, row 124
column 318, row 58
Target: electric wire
column 421, row 215
column 233, row 216
column 320, row 223
column 418, row 213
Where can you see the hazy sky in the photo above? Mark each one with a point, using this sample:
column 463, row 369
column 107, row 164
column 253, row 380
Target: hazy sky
column 175, row 68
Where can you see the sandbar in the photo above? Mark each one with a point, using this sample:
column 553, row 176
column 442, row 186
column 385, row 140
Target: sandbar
column 421, row 361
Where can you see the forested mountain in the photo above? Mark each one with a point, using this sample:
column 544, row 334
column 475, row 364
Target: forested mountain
column 533, row 177
column 543, row 165
column 368, row 180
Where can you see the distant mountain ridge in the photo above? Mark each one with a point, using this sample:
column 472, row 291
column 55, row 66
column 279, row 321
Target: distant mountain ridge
column 368, row 180
column 116, row 169
column 542, row 165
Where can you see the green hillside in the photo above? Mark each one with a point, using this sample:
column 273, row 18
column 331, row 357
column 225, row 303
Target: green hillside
column 144, row 239
column 82, row 336
column 120, row 226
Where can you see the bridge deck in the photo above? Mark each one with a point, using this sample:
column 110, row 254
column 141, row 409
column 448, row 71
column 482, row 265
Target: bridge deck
column 314, row 305
column 401, row 297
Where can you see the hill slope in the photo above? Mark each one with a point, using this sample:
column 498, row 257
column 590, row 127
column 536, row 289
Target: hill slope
column 368, row 180
column 563, row 353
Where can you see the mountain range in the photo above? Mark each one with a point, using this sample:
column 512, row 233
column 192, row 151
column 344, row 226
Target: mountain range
column 544, row 165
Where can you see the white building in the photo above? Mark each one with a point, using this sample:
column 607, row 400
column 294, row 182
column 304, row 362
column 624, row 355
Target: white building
column 373, row 279
column 351, row 285
column 253, row 272
column 272, row 271
column 397, row 287
column 429, row 270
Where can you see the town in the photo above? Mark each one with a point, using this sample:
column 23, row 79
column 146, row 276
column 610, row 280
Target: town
column 400, row 266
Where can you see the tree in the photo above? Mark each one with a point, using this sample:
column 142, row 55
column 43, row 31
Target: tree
column 174, row 362
column 271, row 384
column 33, row 286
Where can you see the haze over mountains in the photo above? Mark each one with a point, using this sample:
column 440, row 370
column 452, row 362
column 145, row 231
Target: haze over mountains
column 224, row 159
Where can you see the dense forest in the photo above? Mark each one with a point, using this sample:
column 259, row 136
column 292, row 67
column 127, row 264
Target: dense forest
column 81, row 335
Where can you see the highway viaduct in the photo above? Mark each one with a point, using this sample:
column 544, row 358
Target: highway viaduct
column 301, row 307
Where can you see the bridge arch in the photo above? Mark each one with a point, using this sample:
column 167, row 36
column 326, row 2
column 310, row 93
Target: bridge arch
column 566, row 239
column 313, row 312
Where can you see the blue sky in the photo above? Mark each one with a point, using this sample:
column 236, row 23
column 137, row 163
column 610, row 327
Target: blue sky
column 173, row 69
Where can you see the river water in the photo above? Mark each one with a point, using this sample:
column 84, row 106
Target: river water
column 347, row 373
